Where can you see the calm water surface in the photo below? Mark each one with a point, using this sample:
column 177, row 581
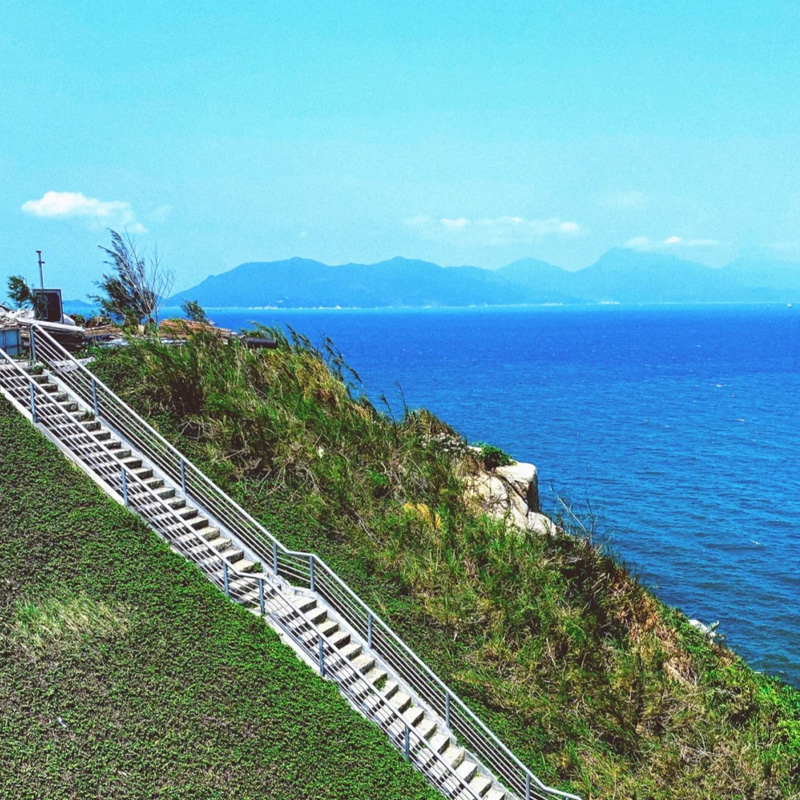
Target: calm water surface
column 679, row 424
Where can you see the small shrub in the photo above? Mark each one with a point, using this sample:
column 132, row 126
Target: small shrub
column 493, row 457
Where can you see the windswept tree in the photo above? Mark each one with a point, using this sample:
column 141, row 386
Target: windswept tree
column 136, row 287
column 194, row 311
column 22, row 295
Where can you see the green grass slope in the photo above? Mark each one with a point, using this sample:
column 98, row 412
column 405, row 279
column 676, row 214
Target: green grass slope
column 591, row 680
column 125, row 674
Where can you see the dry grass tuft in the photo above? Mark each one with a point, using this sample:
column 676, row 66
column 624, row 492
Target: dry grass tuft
column 69, row 623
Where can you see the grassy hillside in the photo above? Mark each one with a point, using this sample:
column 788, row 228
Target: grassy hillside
column 593, row 682
column 125, row 674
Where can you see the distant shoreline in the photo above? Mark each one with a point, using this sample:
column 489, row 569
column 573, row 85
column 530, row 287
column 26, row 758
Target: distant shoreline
column 763, row 303
column 79, row 307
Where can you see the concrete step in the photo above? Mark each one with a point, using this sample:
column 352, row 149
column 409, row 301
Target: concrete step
column 413, row 715
column 453, row 755
column 340, row 639
column 305, row 604
column 351, row 650
column 375, row 675
column 241, row 584
column 220, row 544
column 390, row 688
column 440, row 742
column 426, row 728
column 400, row 701
column 364, row 663
column 480, row 784
column 317, row 615
column 328, row 628
column 466, row 770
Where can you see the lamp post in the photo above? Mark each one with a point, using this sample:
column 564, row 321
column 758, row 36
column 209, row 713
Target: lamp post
column 41, row 273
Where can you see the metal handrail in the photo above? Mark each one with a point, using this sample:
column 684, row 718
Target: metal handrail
column 290, row 565
column 416, row 749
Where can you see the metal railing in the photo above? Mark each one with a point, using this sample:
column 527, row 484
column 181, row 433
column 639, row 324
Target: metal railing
column 261, row 590
column 300, row 569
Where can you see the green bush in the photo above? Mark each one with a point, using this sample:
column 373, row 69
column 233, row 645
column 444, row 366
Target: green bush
column 492, row 457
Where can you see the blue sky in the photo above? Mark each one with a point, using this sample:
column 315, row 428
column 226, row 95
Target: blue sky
column 350, row 131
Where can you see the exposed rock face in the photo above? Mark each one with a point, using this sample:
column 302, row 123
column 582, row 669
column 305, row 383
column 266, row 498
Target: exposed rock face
column 523, row 479
column 510, row 493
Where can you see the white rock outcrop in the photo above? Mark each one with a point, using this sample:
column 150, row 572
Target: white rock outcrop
column 511, row 493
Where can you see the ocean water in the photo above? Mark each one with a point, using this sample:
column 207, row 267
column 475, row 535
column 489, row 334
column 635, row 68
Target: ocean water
column 681, row 426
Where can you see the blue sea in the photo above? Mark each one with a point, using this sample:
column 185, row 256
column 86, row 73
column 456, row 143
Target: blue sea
column 681, row 427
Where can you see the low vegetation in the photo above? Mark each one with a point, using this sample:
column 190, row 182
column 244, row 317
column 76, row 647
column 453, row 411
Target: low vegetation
column 125, row 674
column 591, row 680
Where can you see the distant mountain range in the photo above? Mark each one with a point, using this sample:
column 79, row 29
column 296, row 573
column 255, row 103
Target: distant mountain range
column 619, row 276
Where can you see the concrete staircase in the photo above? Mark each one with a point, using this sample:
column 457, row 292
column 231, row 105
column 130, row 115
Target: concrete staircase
column 305, row 621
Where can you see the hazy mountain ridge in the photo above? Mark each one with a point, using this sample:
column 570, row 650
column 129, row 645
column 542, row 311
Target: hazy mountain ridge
column 619, row 276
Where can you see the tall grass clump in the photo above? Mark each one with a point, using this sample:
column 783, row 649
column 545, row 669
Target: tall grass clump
column 586, row 675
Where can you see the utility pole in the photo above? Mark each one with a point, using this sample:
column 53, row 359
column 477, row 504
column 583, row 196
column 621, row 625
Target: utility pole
column 41, row 264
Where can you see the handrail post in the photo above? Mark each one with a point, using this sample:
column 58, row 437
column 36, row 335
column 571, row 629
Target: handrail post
column 34, row 416
column 94, row 398
column 369, row 631
column 447, row 709
column 225, row 578
column 321, row 657
column 261, row 595
column 33, row 345
column 311, row 581
column 527, row 786
column 124, row 486
column 275, row 558
column 407, row 743
column 183, row 477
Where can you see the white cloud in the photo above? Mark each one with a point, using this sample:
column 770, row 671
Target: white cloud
column 498, row 230
column 454, row 224
column 625, row 200
column 417, row 222
column 638, row 243
column 645, row 243
column 62, row 205
column 504, row 230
